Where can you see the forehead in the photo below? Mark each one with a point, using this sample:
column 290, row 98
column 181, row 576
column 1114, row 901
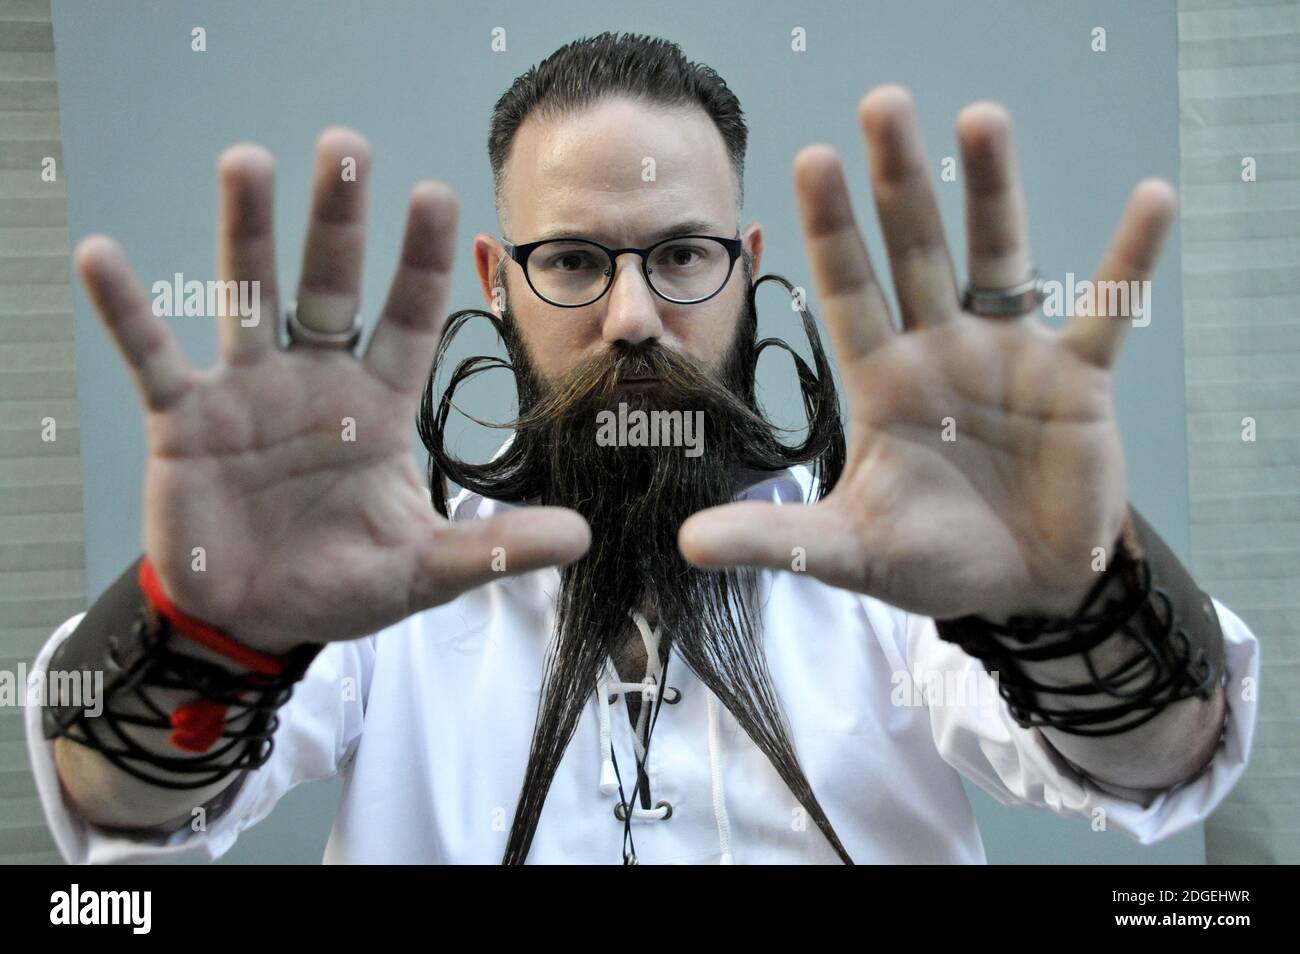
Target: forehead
column 618, row 171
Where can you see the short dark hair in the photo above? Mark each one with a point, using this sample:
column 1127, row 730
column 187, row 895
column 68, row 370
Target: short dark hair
column 633, row 65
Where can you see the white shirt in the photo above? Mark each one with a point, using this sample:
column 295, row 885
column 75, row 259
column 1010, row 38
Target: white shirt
column 429, row 723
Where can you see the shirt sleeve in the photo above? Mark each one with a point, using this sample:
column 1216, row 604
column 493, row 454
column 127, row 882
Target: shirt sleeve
column 975, row 734
column 320, row 727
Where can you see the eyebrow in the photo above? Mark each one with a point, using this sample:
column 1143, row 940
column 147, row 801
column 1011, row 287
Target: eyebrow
column 685, row 227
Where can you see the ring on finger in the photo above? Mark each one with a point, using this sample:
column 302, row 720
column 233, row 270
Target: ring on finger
column 300, row 334
column 1005, row 302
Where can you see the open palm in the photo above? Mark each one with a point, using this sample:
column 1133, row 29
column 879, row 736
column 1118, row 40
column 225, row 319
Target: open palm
column 985, row 465
column 282, row 501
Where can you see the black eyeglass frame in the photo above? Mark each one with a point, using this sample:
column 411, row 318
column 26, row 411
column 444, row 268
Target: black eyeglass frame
column 519, row 254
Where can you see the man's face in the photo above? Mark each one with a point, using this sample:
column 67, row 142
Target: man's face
column 587, row 175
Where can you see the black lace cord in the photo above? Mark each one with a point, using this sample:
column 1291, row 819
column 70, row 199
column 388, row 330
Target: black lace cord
column 158, row 667
column 642, row 774
column 1151, row 699
column 177, row 671
column 629, row 846
column 132, row 750
column 186, row 677
column 253, row 756
column 1173, row 676
column 1172, row 682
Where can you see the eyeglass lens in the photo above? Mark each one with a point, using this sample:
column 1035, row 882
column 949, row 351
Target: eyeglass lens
column 574, row 272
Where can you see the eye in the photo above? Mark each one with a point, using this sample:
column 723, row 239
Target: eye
column 681, row 256
column 570, row 261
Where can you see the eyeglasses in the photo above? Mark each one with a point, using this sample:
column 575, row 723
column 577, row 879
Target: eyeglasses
column 573, row 272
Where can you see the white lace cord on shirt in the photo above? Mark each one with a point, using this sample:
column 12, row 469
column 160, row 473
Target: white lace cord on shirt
column 608, row 690
column 610, row 686
column 608, row 778
column 719, row 794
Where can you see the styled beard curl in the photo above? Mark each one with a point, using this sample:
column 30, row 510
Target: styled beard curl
column 635, row 499
column 507, row 478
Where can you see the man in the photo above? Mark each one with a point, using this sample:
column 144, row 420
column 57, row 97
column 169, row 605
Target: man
column 764, row 625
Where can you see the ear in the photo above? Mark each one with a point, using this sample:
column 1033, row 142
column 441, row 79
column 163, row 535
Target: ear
column 488, row 252
column 753, row 239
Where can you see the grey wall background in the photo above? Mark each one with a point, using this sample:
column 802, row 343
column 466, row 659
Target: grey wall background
column 42, row 533
column 144, row 117
column 1239, row 79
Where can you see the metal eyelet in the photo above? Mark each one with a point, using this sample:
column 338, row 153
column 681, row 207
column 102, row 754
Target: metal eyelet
column 620, row 810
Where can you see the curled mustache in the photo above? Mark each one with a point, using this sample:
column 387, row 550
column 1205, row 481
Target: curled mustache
column 681, row 382
column 669, row 379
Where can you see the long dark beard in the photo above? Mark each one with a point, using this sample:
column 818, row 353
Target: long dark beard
column 635, row 498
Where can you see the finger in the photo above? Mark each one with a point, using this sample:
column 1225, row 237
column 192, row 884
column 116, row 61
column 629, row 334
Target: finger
column 401, row 350
column 997, row 232
column 246, row 248
column 157, row 361
column 329, row 290
column 909, row 218
column 857, row 314
column 800, row 538
column 1098, row 334
column 471, row 553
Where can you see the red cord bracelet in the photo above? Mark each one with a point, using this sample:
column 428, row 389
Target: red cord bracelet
column 198, row 725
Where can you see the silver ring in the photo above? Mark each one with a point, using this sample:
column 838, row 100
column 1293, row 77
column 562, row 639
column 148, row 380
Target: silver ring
column 1005, row 302
column 345, row 340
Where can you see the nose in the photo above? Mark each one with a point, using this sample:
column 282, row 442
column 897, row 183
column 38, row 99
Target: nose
column 630, row 311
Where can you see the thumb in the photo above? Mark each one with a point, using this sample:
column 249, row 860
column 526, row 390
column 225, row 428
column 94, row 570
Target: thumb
column 474, row 552
column 780, row 537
